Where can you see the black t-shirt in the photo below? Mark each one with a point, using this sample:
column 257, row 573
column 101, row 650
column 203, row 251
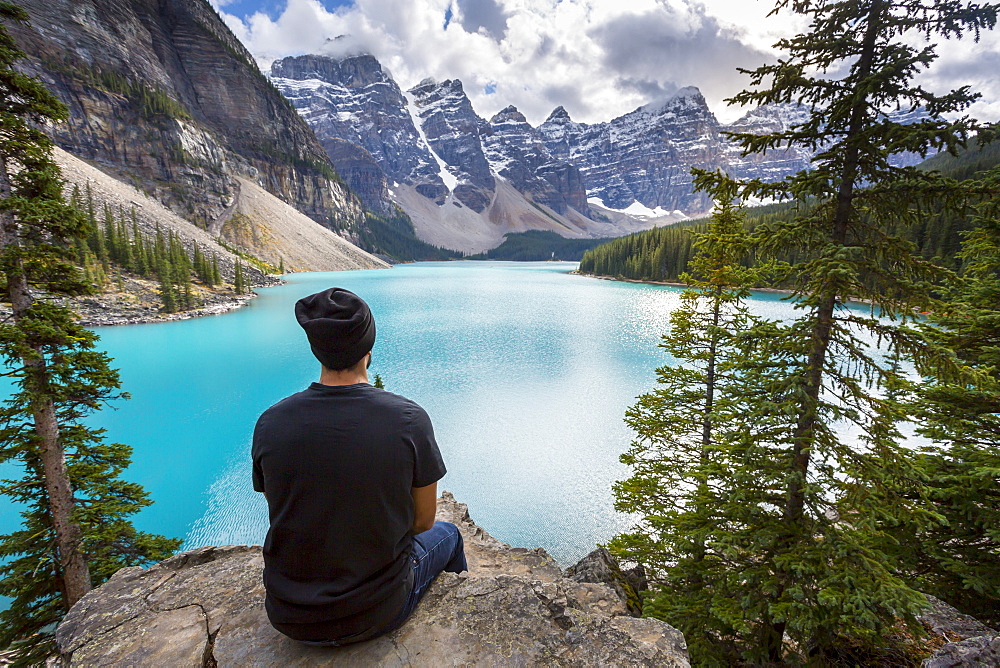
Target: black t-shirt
column 337, row 464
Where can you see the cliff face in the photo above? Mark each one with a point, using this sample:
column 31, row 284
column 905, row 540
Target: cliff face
column 361, row 118
column 161, row 93
column 452, row 128
column 513, row 607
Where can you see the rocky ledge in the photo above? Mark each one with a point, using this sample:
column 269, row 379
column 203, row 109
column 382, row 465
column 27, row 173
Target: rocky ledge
column 513, row 607
column 967, row 642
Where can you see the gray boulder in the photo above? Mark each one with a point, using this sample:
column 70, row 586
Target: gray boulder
column 602, row 568
column 979, row 651
column 971, row 643
column 513, row 607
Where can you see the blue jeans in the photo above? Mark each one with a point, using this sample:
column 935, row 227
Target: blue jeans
column 438, row 549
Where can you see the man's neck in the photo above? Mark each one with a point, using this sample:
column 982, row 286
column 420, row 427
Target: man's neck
column 343, row 377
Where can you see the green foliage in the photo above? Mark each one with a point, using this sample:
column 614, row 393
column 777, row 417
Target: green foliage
column 812, row 471
column 80, row 381
column 119, row 242
column 660, row 254
column 150, row 102
column 75, row 530
column 394, row 236
column 688, row 445
column 537, row 245
column 239, row 285
column 955, row 558
column 377, row 382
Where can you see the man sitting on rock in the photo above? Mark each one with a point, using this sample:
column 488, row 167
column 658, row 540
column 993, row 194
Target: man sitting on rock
column 350, row 475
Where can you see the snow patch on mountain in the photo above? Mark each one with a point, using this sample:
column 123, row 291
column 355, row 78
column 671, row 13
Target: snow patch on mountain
column 449, row 179
column 639, row 210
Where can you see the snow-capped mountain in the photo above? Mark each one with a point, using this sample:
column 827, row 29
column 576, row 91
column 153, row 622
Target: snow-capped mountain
column 362, row 119
column 516, row 151
column 466, row 181
column 452, row 128
column 643, row 156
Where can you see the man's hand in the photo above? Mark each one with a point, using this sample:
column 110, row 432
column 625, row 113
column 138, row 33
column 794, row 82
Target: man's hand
column 424, row 507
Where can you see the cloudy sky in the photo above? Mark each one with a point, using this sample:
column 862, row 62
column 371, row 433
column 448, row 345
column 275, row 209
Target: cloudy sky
column 597, row 58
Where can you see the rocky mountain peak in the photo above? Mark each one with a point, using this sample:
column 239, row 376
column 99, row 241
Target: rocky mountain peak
column 685, row 101
column 353, row 72
column 361, row 118
column 453, row 129
column 771, row 118
column 509, row 114
column 559, row 115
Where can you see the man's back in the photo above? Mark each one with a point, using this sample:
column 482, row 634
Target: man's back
column 337, row 465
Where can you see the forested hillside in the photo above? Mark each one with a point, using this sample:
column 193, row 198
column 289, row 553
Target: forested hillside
column 662, row 254
column 535, row 245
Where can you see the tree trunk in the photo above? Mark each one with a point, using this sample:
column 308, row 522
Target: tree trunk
column 706, row 420
column 71, row 564
column 804, row 433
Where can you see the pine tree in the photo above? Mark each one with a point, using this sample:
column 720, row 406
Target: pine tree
column 817, row 558
column 238, row 284
column 180, row 272
column 128, row 259
column 281, row 266
column 142, row 265
column 685, row 431
column 168, row 294
column 378, row 382
column 64, row 546
column 956, row 558
column 198, row 264
column 216, row 275
column 110, row 234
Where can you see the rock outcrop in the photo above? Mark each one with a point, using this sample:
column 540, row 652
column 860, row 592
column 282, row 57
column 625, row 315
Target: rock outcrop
column 600, row 567
column 513, row 607
column 970, row 642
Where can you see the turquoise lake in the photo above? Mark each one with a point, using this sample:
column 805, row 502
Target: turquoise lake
column 525, row 369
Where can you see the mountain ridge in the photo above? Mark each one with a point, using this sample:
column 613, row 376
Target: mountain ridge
column 163, row 95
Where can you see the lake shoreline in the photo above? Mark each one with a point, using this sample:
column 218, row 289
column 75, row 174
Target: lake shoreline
column 672, row 284
column 104, row 316
column 137, row 302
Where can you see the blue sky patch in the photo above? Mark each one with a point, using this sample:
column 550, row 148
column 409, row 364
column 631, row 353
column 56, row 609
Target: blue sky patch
column 273, row 8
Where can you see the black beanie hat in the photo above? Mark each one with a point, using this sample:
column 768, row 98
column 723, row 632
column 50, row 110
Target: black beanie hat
column 339, row 326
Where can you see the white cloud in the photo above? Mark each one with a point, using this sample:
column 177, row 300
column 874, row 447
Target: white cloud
column 598, row 58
